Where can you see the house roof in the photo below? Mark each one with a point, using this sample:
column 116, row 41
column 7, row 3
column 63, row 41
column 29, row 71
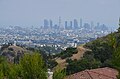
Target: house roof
column 100, row 73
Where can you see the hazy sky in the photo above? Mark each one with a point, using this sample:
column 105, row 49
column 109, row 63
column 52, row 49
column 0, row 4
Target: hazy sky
column 32, row 12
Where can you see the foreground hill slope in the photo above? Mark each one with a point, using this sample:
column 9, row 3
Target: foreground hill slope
column 77, row 56
column 105, row 52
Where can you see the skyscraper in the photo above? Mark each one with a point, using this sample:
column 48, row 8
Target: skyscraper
column 66, row 25
column 46, row 24
column 51, row 24
column 75, row 24
column 71, row 25
column 80, row 23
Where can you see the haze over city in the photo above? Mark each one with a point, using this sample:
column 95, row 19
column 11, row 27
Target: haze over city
column 59, row 39
column 33, row 12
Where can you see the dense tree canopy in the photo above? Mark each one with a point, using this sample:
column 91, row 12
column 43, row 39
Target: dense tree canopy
column 31, row 66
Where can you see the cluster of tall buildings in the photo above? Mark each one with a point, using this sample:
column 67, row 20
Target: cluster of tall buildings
column 50, row 24
column 66, row 24
column 73, row 24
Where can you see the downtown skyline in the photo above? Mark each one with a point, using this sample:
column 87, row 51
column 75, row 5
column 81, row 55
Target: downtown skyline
column 28, row 13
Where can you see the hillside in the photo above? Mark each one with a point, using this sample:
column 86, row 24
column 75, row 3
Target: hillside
column 13, row 53
column 14, row 49
column 62, row 62
column 81, row 51
column 105, row 52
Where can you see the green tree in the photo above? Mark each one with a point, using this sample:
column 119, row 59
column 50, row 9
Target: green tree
column 4, row 66
column 80, row 65
column 1, row 75
column 13, row 71
column 116, row 58
column 59, row 74
column 32, row 67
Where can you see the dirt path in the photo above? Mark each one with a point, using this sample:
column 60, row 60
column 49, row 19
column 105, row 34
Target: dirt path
column 62, row 62
column 81, row 51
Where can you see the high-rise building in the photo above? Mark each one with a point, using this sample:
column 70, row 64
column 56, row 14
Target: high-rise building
column 80, row 23
column 71, row 25
column 51, row 24
column 75, row 24
column 66, row 25
column 46, row 24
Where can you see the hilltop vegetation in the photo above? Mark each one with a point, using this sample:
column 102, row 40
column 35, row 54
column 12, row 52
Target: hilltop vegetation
column 76, row 54
column 67, row 53
column 105, row 52
column 30, row 66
